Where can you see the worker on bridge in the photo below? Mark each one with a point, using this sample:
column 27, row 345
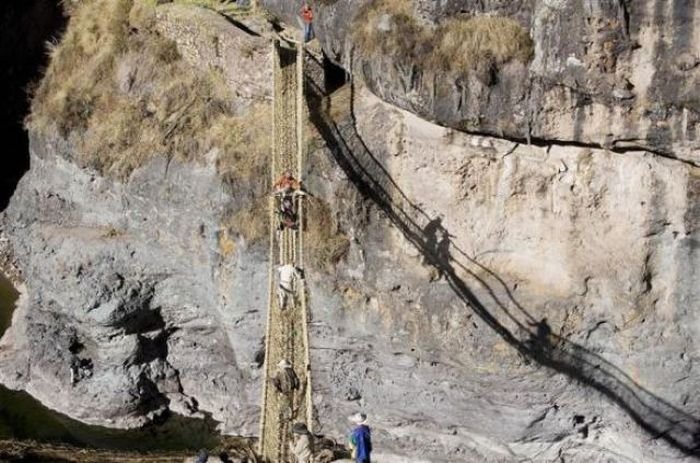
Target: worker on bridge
column 307, row 16
column 287, row 185
column 285, row 380
column 288, row 214
column 301, row 446
column 288, row 275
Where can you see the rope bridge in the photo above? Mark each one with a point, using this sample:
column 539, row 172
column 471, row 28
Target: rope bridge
column 286, row 334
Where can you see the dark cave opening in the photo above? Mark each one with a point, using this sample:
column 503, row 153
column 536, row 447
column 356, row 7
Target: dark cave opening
column 25, row 28
column 334, row 76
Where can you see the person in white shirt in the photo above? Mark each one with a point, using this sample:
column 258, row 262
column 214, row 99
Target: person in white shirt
column 286, row 289
column 301, row 445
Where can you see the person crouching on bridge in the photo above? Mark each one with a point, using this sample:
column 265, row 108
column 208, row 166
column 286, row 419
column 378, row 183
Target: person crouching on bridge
column 288, row 214
column 301, row 446
column 285, row 380
column 286, row 289
column 287, row 185
column 360, row 439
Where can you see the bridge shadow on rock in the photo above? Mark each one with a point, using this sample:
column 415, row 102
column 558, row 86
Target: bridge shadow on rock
column 498, row 307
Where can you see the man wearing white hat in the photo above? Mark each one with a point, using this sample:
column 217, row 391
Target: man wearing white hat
column 360, row 438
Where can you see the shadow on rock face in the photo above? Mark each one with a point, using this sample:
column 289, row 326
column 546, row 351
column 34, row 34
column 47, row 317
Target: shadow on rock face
column 532, row 338
column 25, row 29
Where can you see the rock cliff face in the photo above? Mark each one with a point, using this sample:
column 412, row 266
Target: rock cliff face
column 530, row 272
column 617, row 74
column 107, row 306
column 24, row 29
column 499, row 301
column 109, row 318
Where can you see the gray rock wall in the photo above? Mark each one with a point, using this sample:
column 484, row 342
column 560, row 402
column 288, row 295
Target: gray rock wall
column 499, row 301
column 25, row 29
column 133, row 281
column 616, row 74
column 538, row 332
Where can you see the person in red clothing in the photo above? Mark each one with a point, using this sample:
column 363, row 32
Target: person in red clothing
column 307, row 15
column 287, row 185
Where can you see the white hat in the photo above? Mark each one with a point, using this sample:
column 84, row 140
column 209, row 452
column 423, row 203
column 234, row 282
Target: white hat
column 358, row 418
column 284, row 364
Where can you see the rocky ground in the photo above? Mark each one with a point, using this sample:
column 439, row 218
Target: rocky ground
column 236, row 450
column 499, row 301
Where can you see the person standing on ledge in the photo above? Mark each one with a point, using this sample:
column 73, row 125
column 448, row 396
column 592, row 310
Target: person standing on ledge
column 360, row 439
column 307, row 15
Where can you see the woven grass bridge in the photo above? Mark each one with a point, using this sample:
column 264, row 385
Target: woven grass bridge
column 287, row 330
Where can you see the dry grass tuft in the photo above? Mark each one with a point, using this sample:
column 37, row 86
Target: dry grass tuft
column 226, row 244
column 493, row 39
column 252, row 222
column 388, row 27
column 325, row 244
column 122, row 94
column 227, row 7
column 245, row 143
column 460, row 45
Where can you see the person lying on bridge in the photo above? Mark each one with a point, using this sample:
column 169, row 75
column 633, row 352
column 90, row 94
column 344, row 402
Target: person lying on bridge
column 287, row 281
column 301, row 446
column 288, row 214
column 285, row 380
column 287, row 185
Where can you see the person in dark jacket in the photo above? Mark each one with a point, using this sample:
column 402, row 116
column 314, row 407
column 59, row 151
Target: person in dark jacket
column 360, row 439
column 287, row 214
column 202, row 456
column 285, row 379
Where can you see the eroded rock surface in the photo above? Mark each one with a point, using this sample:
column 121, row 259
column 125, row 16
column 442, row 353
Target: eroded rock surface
column 547, row 260
column 498, row 302
column 619, row 74
column 129, row 280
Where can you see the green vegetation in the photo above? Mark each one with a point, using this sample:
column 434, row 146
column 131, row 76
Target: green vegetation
column 460, row 45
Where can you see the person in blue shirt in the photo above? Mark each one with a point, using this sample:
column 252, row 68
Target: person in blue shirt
column 360, row 439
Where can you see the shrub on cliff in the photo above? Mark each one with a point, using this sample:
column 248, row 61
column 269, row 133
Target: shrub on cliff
column 221, row 6
column 121, row 94
column 459, row 45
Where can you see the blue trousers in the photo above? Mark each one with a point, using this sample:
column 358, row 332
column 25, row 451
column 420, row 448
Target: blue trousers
column 308, row 32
